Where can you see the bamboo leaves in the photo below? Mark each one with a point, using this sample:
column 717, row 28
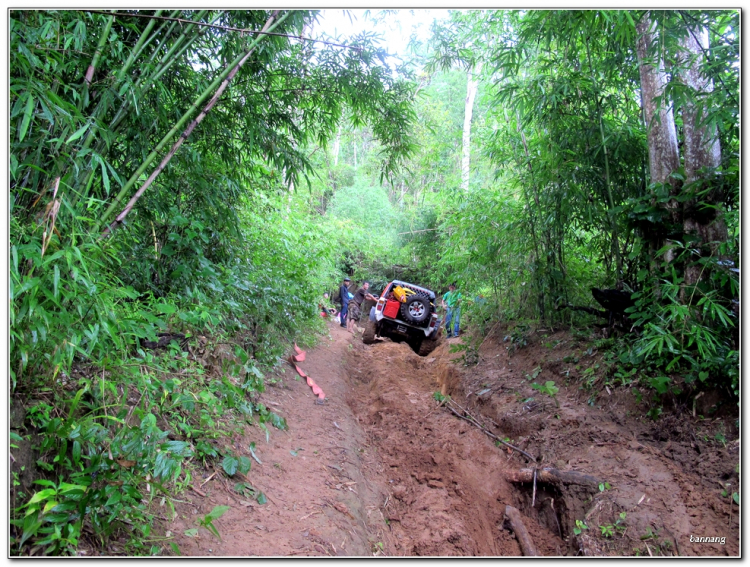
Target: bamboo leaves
column 26, row 120
column 78, row 133
column 220, row 84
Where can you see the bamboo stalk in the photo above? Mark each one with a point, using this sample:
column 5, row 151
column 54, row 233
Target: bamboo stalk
column 173, row 55
column 228, row 28
column 226, row 78
column 97, row 54
column 141, row 85
column 613, row 224
column 103, row 106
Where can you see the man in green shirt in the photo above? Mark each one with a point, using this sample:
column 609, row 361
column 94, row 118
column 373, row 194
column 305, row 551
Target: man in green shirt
column 452, row 302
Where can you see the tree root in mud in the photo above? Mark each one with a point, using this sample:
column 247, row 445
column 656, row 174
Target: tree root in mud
column 552, row 476
column 522, row 535
column 465, row 415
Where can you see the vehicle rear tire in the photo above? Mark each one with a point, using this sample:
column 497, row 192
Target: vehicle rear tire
column 416, row 310
column 430, row 344
column 368, row 337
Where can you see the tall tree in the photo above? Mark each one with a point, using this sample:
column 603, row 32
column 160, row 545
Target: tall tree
column 702, row 151
column 663, row 155
column 472, row 86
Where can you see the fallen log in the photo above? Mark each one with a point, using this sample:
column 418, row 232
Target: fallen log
column 522, row 535
column 552, row 476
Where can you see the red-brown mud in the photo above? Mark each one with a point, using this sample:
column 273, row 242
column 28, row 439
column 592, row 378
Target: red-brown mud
column 381, row 469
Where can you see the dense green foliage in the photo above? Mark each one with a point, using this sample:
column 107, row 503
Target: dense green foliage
column 219, row 247
column 295, row 162
column 560, row 198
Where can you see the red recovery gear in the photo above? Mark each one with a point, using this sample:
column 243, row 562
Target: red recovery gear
column 300, row 357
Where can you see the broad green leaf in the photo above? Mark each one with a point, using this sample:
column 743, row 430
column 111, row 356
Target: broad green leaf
column 114, row 499
column 48, row 506
column 56, row 281
column 77, row 134
column 41, row 495
column 230, row 464
column 66, row 487
column 13, row 165
column 105, row 178
column 26, row 117
column 244, row 465
column 165, row 308
column 217, row 512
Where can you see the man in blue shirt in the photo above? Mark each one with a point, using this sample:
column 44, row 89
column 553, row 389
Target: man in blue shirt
column 344, row 293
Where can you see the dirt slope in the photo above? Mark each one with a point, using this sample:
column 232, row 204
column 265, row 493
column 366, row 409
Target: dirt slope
column 666, row 475
column 319, row 501
column 448, row 496
column 380, row 469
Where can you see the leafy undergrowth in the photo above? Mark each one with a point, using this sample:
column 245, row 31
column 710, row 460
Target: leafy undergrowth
column 106, row 424
column 595, row 364
column 105, row 427
column 126, row 442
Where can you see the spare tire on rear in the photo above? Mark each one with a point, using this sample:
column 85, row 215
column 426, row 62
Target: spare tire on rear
column 416, row 310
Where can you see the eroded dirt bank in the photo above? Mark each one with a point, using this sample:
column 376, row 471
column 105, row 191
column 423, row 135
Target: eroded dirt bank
column 658, row 484
column 380, row 469
column 447, row 498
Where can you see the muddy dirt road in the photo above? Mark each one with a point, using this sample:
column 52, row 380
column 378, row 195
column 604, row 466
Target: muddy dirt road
column 381, row 469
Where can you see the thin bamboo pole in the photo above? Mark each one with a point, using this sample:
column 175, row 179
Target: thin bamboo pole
column 143, row 83
column 224, row 78
column 613, row 224
column 98, row 53
column 106, row 98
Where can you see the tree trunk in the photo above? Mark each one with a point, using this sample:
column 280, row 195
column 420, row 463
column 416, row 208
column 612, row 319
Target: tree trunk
column 701, row 149
column 337, row 147
column 663, row 155
column 701, row 144
column 472, row 85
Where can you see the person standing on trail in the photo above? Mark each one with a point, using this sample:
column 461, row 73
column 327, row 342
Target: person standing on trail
column 355, row 307
column 452, row 303
column 344, row 293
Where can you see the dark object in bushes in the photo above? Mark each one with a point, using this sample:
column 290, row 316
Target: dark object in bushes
column 614, row 300
column 164, row 339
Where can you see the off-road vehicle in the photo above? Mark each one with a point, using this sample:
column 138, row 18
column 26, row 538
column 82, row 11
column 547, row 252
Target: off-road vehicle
column 405, row 312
